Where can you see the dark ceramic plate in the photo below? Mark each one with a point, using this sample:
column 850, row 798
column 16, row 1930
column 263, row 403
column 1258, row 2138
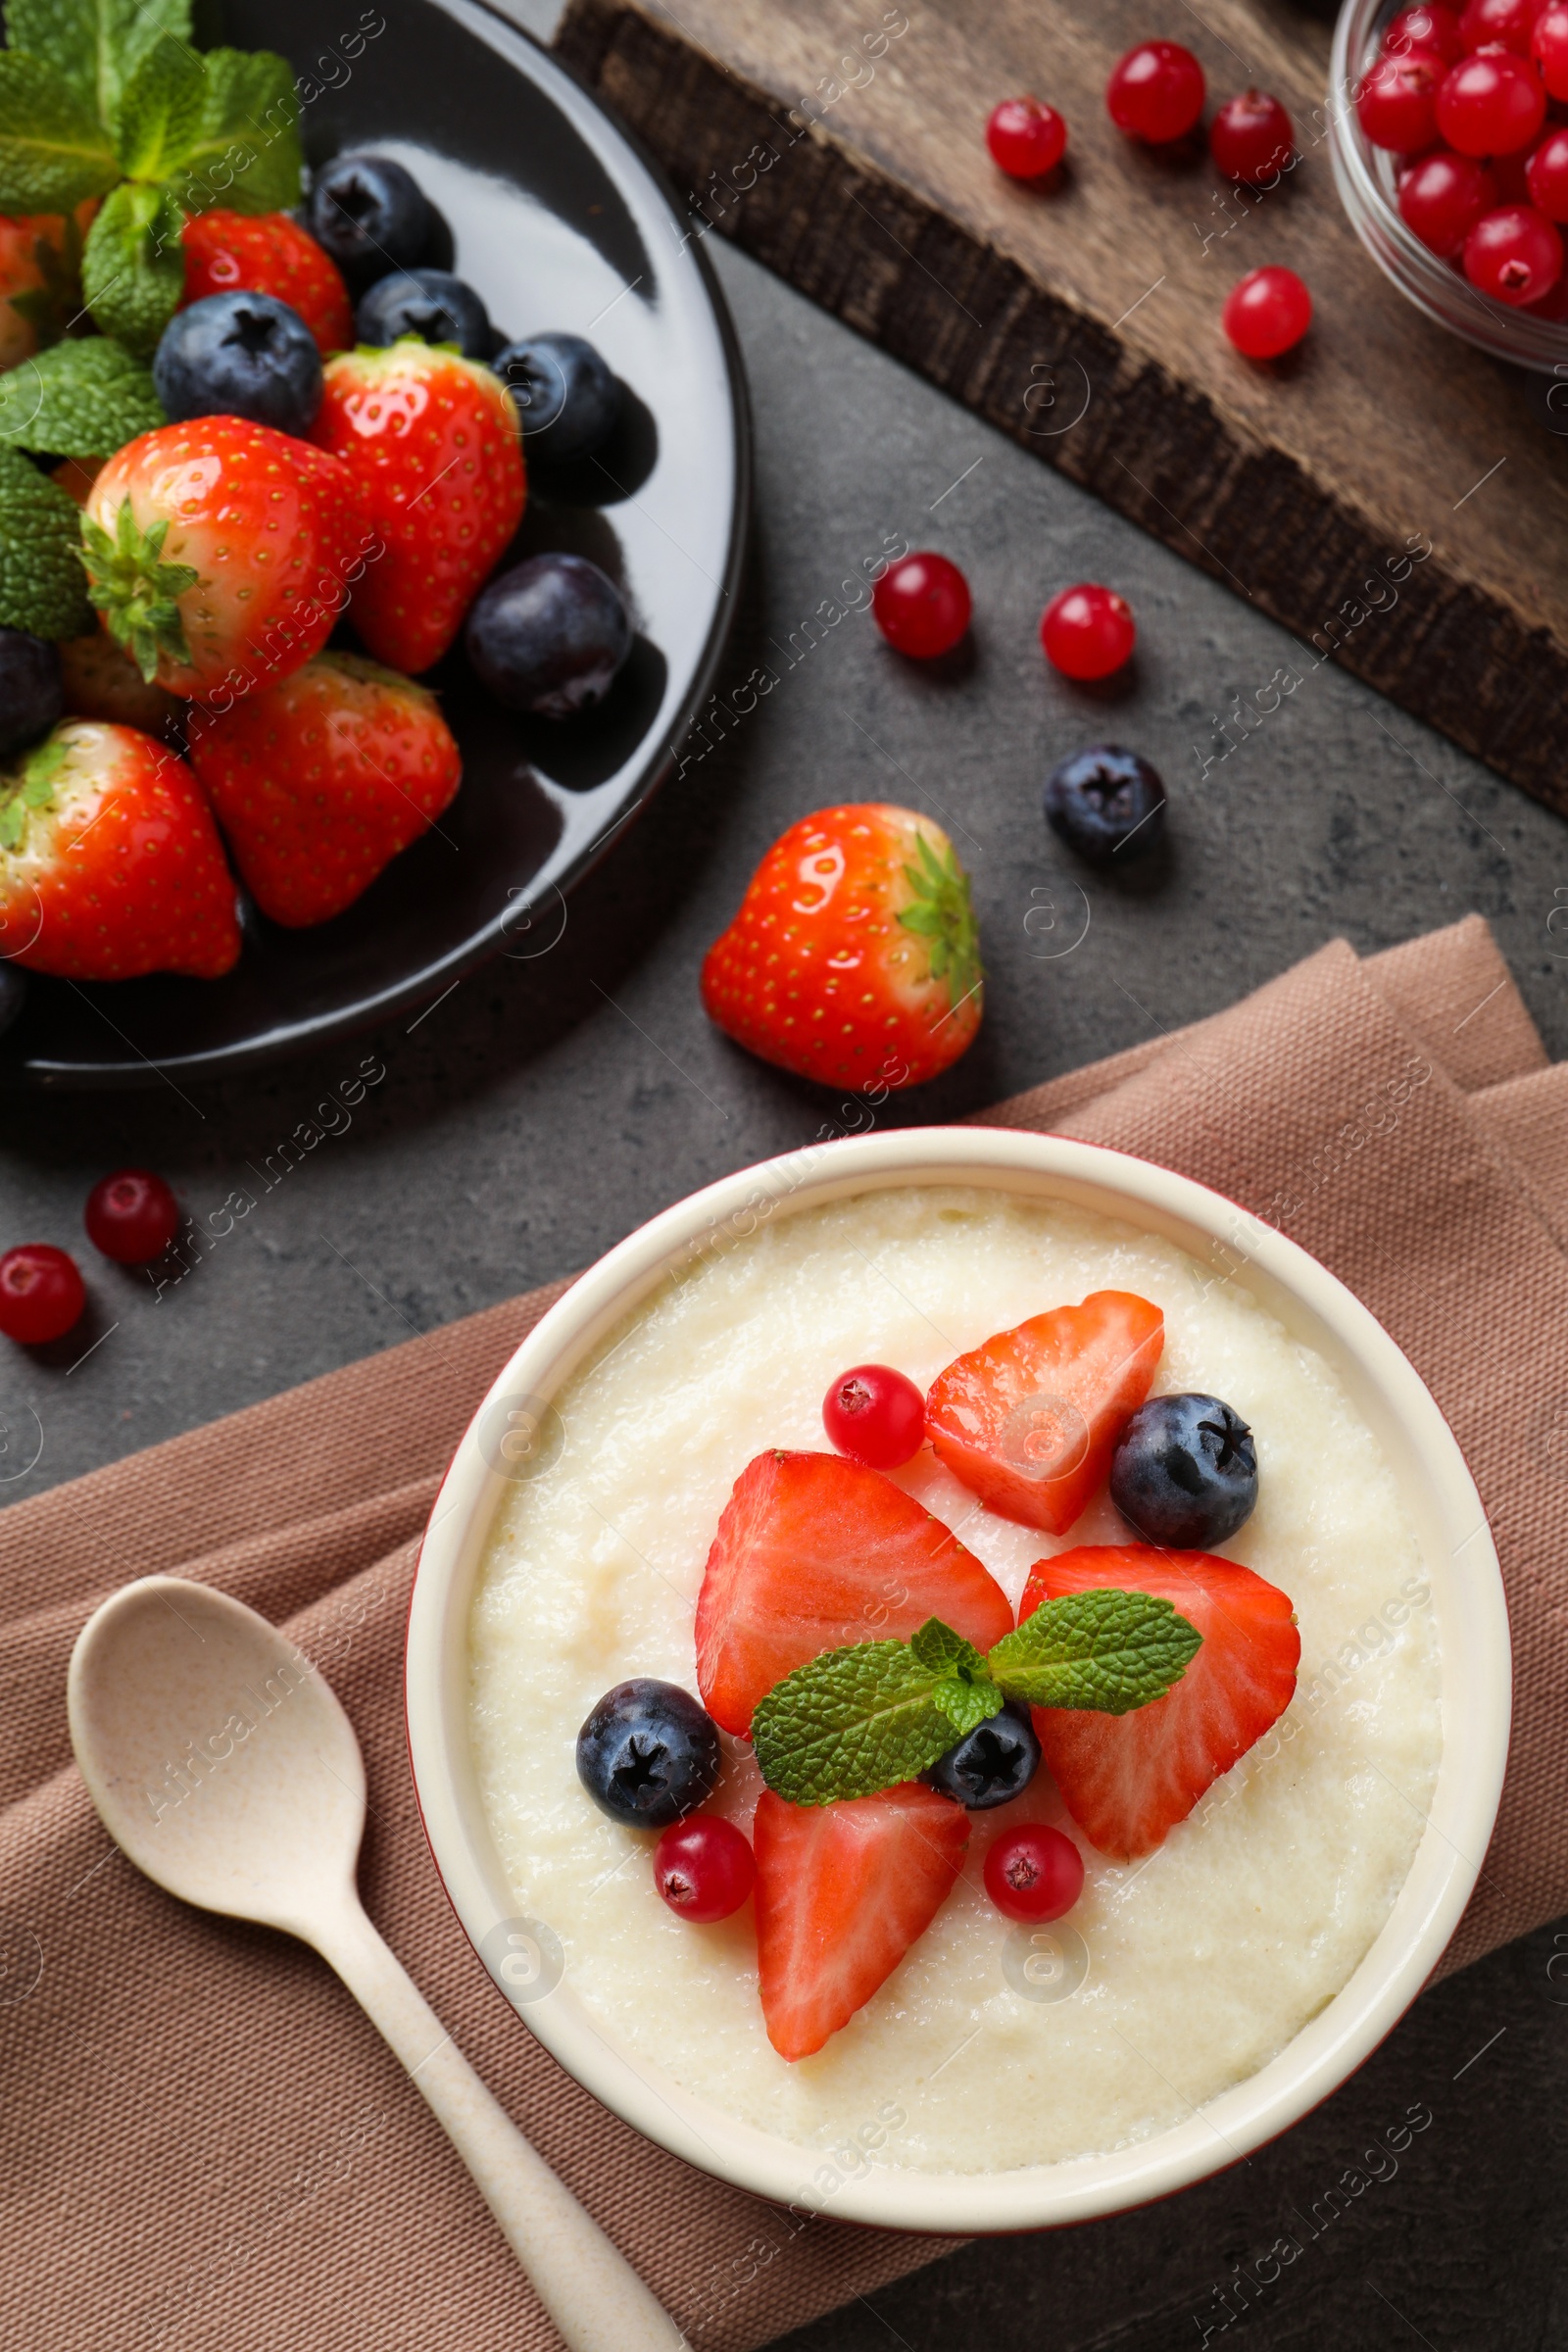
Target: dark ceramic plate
column 559, row 221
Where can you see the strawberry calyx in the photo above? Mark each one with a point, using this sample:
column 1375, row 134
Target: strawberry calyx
column 29, row 786
column 136, row 590
column 942, row 913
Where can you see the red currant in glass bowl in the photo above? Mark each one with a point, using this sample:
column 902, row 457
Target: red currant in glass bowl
column 1396, row 105
column 41, row 1294
column 922, row 605
column 1267, row 313
column 1546, row 176
column 1156, row 92
column 131, row 1217
column 1250, row 139
column 876, row 1416
column 1088, row 631
column 1549, row 46
column 1026, row 138
column 1417, row 208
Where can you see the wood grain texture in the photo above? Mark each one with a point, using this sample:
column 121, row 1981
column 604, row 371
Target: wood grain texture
column 1083, row 318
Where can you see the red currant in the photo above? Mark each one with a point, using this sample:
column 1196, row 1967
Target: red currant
column 1514, row 255
column 131, row 1217
column 703, row 1868
column 1034, row 1874
column 1443, row 197
column 1504, row 23
column 1156, row 92
column 1425, row 29
column 875, row 1416
column 1026, row 138
column 1549, row 46
column 922, row 606
column 1547, row 177
column 1088, row 631
column 1490, row 104
column 41, row 1294
column 1251, row 138
column 1397, row 103
column 1510, row 176
column 1267, row 312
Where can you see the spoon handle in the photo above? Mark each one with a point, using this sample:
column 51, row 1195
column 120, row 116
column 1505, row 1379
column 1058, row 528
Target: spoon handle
column 590, row 2292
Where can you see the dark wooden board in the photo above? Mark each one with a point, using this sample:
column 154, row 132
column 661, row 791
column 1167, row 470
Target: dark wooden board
column 1298, row 483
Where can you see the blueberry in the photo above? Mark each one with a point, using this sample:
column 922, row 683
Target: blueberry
column 1185, row 1472
column 995, row 1763
column 31, row 697
column 550, row 635
column 432, row 303
column 370, row 216
column 567, row 397
column 239, row 355
column 648, row 1754
column 1105, row 801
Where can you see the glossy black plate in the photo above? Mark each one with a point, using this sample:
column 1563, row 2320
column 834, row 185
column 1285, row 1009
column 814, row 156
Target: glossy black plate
column 559, row 221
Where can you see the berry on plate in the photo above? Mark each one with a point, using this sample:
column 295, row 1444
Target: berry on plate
column 568, row 399
column 319, row 782
column 239, row 355
column 1185, row 1472
column 703, row 1868
column 32, row 694
column 1127, row 1780
column 992, row 1765
column 647, row 1754
column 1397, row 103
column 41, row 1294
column 551, row 635
column 1034, row 1874
column 432, row 440
column 268, row 253
column 1029, row 1419
column 1490, row 103
column 813, row 1553
column 1443, row 196
column 875, row 1415
column 1088, row 631
column 1106, row 803
column 216, row 553
column 854, row 956
column 842, row 1890
column 371, row 215
column 1251, row 138
column 431, row 304
column 922, row 606
column 131, row 1217
column 1267, row 313
column 1514, row 255
column 1156, row 92
column 1026, row 138
column 109, row 861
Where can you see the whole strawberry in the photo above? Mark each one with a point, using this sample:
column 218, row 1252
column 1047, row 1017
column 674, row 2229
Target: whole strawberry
column 321, row 781
column 854, row 957
column 268, row 253
column 220, row 552
column 109, row 861
column 434, row 440
column 40, row 278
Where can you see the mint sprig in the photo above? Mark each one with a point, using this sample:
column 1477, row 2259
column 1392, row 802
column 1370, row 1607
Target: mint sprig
column 858, row 1720
column 43, row 588
column 81, row 399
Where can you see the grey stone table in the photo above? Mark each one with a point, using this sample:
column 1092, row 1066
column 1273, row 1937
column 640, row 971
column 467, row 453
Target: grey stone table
column 546, row 1107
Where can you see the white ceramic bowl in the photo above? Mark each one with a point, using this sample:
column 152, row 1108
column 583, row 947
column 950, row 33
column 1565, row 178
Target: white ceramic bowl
column 1439, row 1496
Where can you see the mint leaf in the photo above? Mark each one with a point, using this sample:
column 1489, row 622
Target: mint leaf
column 966, row 1705
column 96, row 45
column 53, row 151
column 80, row 399
column 1106, row 1650
column 42, row 587
column 938, row 1646
column 133, row 267
column 136, row 590
column 850, row 1723
column 245, row 152
column 158, row 116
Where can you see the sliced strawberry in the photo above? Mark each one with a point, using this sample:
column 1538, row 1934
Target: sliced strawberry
column 815, row 1553
column 1029, row 1419
column 1127, row 1780
column 841, row 1893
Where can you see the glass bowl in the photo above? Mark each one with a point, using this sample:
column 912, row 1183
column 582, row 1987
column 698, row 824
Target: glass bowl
column 1366, row 176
